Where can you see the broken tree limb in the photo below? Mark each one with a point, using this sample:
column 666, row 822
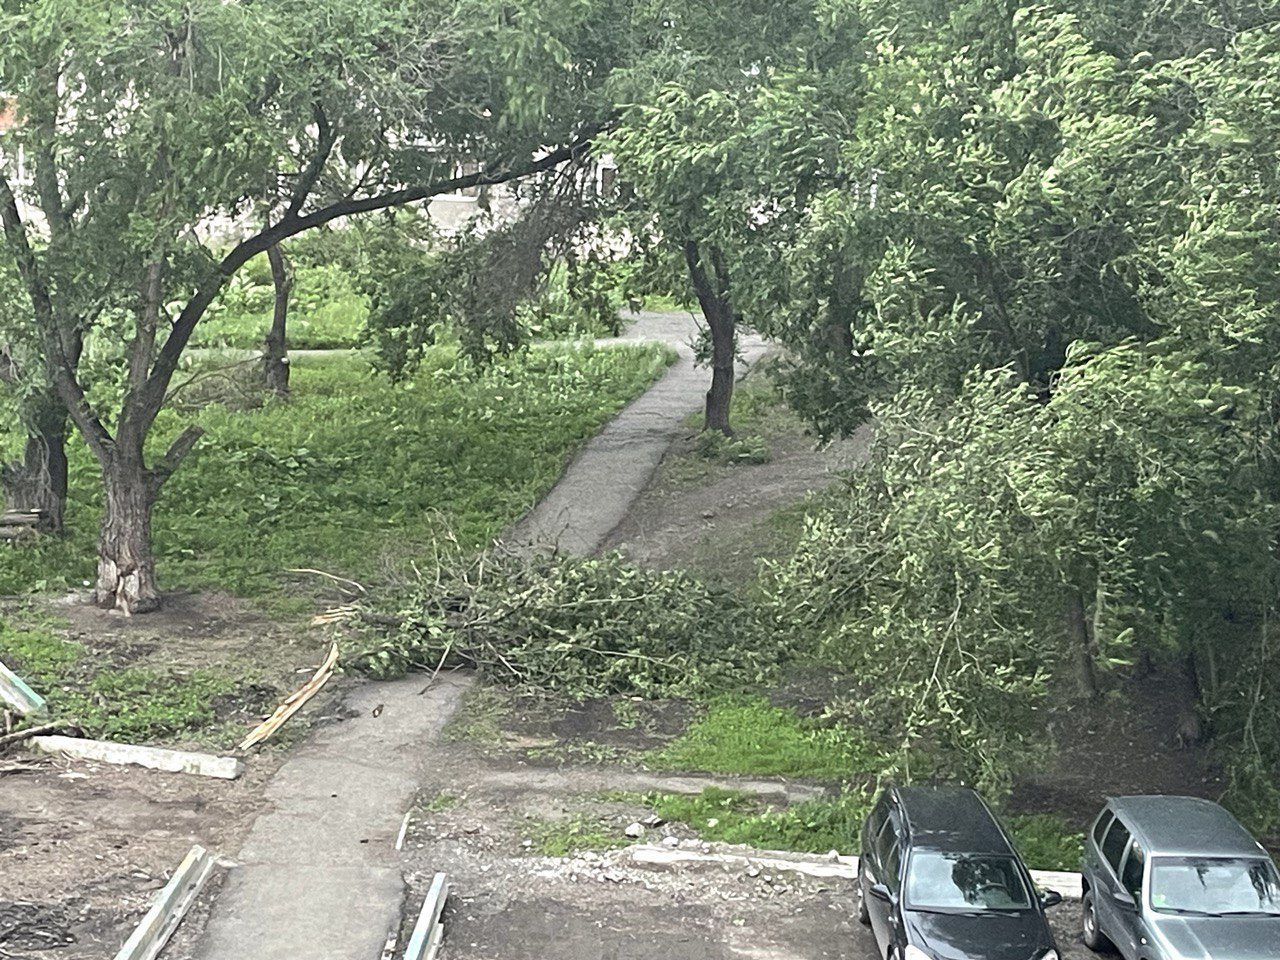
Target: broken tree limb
column 19, row 696
column 31, row 732
column 294, row 703
column 154, row 758
column 150, row 936
column 429, row 931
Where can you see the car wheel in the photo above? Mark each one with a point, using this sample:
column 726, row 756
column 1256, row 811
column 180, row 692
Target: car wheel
column 1092, row 934
column 864, row 915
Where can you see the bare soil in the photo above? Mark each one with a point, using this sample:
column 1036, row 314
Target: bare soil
column 84, row 847
column 1123, row 743
column 719, row 519
column 479, row 821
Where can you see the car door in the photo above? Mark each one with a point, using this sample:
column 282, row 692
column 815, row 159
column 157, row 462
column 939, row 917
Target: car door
column 1107, row 898
column 1128, row 932
column 884, row 866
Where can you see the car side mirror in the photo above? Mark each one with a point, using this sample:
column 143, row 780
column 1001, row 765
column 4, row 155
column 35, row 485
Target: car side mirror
column 1050, row 898
column 1125, row 901
column 880, row 892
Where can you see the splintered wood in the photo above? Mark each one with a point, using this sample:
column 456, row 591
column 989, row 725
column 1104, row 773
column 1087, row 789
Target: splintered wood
column 294, row 703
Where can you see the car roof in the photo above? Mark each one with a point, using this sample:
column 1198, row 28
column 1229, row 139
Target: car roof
column 1184, row 826
column 951, row 819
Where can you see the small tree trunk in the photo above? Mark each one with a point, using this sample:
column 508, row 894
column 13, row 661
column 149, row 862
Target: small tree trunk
column 126, row 566
column 723, row 374
column 275, row 357
column 39, row 480
column 1082, row 643
column 712, row 290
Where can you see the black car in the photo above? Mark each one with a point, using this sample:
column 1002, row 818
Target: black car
column 938, row 879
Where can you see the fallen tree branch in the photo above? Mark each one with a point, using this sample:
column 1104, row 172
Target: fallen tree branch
column 19, row 736
column 294, row 703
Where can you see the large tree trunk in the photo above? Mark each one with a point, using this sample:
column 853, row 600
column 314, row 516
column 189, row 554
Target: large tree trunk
column 717, row 308
column 1082, row 643
column 275, row 356
column 126, row 566
column 39, row 481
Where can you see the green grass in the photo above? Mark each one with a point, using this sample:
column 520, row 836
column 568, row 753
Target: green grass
column 750, row 736
column 1046, row 841
column 731, row 816
column 355, row 472
column 129, row 704
column 326, row 311
column 561, row 838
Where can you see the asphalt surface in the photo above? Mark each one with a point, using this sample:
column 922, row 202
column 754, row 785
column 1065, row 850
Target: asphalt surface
column 318, row 876
column 599, row 486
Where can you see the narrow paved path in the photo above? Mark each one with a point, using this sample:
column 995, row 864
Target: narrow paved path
column 318, row 876
column 612, row 470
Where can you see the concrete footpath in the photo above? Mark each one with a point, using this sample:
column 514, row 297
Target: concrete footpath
column 602, row 482
column 318, row 876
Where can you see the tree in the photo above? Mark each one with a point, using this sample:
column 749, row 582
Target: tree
column 154, row 125
column 709, row 176
column 275, row 358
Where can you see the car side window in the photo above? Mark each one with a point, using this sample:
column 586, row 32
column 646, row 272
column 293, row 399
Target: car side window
column 893, row 868
column 875, row 823
column 1134, row 866
column 885, row 844
column 1100, row 828
column 1114, row 844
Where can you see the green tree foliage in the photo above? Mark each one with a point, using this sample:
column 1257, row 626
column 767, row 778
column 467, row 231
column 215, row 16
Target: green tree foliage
column 156, row 130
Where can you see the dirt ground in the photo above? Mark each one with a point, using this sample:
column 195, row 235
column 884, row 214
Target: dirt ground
column 85, row 846
column 479, row 822
column 718, row 519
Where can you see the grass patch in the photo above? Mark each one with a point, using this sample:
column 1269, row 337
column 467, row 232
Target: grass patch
column 1046, row 841
column 750, row 736
column 562, row 838
column 326, row 310
column 355, row 472
column 731, row 816
column 128, row 704
column 441, row 802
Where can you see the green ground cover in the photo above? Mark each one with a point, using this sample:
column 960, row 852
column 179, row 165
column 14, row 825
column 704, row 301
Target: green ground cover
column 355, row 471
column 131, row 704
column 750, row 736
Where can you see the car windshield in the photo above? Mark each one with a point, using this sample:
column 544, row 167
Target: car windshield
column 1214, row 885
column 964, row 882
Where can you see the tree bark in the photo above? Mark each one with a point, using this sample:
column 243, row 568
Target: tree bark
column 39, row 480
column 126, row 566
column 1082, row 642
column 275, row 356
column 717, row 309
column 723, row 374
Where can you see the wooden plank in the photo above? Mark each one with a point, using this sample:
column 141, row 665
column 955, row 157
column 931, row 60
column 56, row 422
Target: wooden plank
column 434, row 941
column 172, row 904
column 19, row 696
column 428, row 925
column 154, row 758
column 294, row 702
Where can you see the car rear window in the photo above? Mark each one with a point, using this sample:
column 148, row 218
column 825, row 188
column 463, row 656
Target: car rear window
column 964, row 882
column 1113, row 844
